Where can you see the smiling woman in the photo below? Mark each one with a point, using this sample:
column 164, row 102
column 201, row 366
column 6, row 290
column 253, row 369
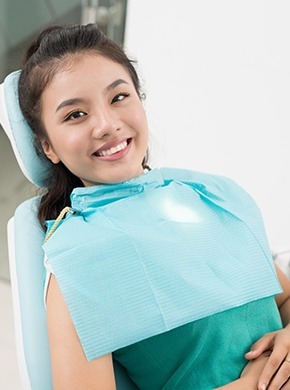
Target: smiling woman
column 158, row 269
column 78, row 122
column 98, row 129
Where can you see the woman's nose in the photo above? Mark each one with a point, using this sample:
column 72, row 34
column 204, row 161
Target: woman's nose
column 105, row 123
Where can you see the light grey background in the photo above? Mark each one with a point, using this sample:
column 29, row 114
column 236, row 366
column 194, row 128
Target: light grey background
column 20, row 20
column 218, row 93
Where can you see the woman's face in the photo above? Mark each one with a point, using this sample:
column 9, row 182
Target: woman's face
column 95, row 121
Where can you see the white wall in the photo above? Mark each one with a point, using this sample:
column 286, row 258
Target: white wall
column 217, row 77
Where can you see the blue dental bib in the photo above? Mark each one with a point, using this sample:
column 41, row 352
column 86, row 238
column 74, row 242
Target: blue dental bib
column 142, row 257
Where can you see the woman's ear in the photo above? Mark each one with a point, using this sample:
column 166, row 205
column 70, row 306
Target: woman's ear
column 49, row 152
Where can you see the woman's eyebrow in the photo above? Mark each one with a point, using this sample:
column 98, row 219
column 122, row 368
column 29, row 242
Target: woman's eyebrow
column 69, row 102
column 115, row 83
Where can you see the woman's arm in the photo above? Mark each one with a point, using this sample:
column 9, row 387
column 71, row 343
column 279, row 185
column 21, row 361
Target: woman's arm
column 277, row 369
column 283, row 300
column 250, row 375
column 263, row 366
column 70, row 369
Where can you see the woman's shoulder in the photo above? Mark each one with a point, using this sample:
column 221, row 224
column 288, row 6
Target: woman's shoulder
column 185, row 174
column 221, row 190
column 208, row 182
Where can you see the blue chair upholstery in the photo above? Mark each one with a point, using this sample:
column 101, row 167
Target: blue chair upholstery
column 25, row 238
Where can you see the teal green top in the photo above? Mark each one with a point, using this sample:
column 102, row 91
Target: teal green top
column 203, row 354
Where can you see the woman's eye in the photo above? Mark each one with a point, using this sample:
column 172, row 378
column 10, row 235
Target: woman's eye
column 120, row 97
column 75, row 115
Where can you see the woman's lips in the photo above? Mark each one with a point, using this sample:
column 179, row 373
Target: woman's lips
column 113, row 150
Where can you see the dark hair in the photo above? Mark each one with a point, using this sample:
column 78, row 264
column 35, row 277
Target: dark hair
column 42, row 60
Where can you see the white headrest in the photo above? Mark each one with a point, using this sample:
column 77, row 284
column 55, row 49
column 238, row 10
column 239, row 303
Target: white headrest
column 35, row 168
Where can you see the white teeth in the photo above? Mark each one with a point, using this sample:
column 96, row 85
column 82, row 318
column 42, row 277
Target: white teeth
column 113, row 150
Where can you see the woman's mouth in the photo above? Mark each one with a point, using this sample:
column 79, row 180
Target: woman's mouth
column 114, row 150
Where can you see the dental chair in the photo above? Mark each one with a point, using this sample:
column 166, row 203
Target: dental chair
column 27, row 272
